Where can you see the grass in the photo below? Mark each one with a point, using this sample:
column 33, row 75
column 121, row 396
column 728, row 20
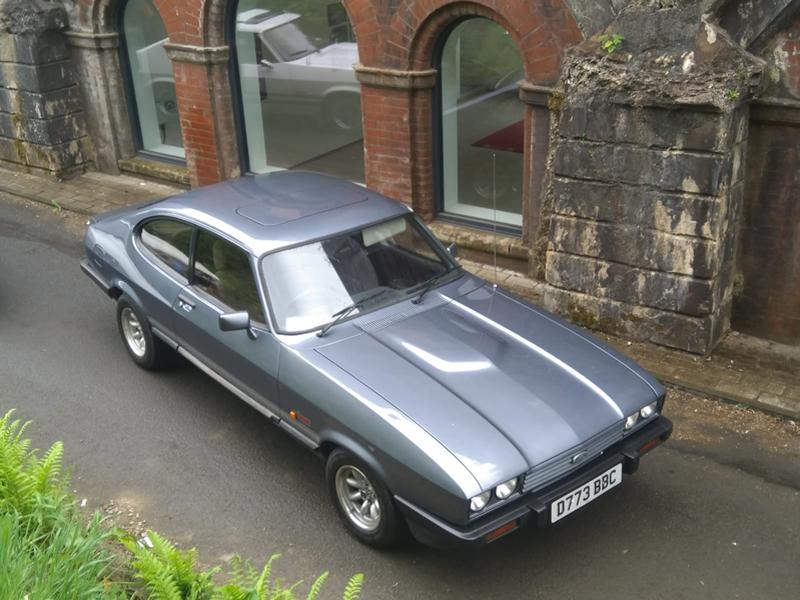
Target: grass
column 48, row 550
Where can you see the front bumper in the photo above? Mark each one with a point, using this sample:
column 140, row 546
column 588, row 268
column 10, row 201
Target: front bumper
column 534, row 507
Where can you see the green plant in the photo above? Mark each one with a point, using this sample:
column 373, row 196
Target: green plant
column 29, row 486
column 48, row 551
column 45, row 549
column 732, row 94
column 611, row 42
column 169, row 574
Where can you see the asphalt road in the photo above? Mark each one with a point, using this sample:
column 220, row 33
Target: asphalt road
column 714, row 513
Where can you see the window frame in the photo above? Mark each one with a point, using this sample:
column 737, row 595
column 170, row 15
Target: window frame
column 155, row 260
column 424, row 231
column 437, row 129
column 250, row 261
column 130, row 96
column 254, row 262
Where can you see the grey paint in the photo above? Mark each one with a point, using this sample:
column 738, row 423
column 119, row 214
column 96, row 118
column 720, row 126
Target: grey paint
column 443, row 399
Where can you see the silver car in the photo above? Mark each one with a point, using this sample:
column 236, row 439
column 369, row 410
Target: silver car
column 440, row 403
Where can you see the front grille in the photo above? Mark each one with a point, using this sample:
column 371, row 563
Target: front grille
column 552, row 469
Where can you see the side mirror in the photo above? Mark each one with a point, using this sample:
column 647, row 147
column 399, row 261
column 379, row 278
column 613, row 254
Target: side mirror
column 452, row 249
column 238, row 321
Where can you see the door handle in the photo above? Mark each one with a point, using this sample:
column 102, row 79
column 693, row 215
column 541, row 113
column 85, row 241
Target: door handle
column 185, row 304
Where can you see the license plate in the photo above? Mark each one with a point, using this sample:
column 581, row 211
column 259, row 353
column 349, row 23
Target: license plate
column 579, row 497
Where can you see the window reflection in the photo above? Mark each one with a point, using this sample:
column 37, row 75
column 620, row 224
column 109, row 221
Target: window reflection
column 482, row 123
column 152, row 79
column 301, row 100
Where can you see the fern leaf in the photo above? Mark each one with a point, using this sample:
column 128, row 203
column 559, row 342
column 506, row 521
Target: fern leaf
column 316, row 587
column 353, row 589
column 262, row 584
column 48, row 468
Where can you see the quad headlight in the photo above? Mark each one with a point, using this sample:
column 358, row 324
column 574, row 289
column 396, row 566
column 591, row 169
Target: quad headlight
column 505, row 489
column 478, row 502
column 631, row 421
column 644, row 413
column 648, row 410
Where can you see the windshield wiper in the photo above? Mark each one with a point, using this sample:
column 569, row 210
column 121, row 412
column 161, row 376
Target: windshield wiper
column 428, row 285
column 339, row 315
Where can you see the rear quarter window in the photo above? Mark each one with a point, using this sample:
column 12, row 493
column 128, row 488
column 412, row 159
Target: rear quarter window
column 170, row 242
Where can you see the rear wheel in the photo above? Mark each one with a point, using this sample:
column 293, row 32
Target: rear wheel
column 363, row 502
column 143, row 347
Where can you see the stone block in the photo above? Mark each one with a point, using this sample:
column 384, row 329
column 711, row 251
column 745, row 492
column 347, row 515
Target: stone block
column 59, row 159
column 36, row 78
column 635, row 322
column 33, row 49
column 598, row 119
column 604, row 279
column 664, row 169
column 682, row 214
column 634, row 246
column 46, row 132
column 41, row 105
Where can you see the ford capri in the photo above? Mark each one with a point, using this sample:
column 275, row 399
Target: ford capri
column 441, row 404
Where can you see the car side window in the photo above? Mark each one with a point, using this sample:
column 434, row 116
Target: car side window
column 169, row 241
column 222, row 270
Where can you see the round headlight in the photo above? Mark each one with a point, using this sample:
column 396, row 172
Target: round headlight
column 631, row 421
column 648, row 410
column 479, row 501
column 505, row 489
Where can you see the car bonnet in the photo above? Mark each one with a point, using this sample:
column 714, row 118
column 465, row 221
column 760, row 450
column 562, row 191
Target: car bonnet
column 503, row 386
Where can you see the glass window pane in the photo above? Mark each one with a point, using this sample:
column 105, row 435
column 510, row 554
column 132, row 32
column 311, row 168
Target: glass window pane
column 301, row 100
column 482, row 123
column 381, row 264
column 169, row 241
column 223, row 271
column 152, row 79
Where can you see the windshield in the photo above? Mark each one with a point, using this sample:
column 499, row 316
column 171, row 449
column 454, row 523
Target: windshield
column 289, row 42
column 308, row 285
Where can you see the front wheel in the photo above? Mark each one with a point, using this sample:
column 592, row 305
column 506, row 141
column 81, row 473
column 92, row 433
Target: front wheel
column 362, row 500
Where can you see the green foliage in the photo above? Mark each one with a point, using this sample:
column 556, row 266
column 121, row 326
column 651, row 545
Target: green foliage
column 611, row 42
column 169, row 574
column 732, row 94
column 45, row 550
column 31, row 487
column 353, row 589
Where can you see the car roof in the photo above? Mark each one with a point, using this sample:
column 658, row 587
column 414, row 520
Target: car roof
column 274, row 210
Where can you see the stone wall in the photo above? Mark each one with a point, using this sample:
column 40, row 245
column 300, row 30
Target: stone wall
column 646, row 183
column 42, row 126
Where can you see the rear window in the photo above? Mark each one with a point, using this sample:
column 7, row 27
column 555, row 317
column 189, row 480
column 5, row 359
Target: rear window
column 169, row 241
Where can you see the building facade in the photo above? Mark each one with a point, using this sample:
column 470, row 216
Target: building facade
column 636, row 162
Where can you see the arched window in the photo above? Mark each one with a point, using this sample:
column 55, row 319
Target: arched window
column 151, row 82
column 481, row 124
column 300, row 100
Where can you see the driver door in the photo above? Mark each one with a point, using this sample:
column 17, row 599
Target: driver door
column 222, row 281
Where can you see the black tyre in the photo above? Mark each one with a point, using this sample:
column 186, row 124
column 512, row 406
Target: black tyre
column 144, row 348
column 363, row 502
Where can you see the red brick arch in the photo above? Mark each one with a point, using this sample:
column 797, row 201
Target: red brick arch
column 402, row 34
column 182, row 18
